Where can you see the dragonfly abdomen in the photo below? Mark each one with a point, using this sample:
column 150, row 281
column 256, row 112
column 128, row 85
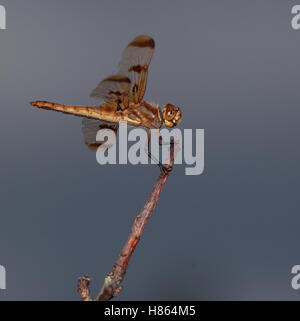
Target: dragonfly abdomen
column 85, row 111
column 106, row 112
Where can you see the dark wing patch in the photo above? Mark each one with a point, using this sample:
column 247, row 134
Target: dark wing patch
column 90, row 128
column 135, row 63
column 115, row 87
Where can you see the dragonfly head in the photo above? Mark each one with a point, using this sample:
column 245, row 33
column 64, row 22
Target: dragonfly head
column 171, row 115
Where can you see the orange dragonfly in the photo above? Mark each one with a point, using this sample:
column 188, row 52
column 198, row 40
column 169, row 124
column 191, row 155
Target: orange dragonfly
column 122, row 97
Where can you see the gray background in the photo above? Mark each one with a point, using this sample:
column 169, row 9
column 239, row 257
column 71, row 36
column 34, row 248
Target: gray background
column 230, row 233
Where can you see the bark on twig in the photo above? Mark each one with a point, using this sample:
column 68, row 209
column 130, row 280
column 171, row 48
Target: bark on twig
column 112, row 283
column 83, row 288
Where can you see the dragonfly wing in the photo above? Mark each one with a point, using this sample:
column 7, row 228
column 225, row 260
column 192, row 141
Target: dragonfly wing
column 115, row 87
column 135, row 63
column 90, row 128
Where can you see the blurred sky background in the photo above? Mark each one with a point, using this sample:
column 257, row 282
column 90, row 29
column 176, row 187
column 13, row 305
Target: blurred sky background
column 231, row 233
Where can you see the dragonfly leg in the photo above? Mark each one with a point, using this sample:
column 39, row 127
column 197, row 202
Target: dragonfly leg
column 161, row 166
column 161, row 142
column 147, row 149
column 165, row 168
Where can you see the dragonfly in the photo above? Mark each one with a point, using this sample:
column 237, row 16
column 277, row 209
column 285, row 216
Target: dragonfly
column 121, row 98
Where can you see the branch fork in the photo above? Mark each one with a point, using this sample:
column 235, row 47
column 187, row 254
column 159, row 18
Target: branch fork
column 112, row 283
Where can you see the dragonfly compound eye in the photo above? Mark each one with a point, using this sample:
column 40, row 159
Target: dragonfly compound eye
column 172, row 115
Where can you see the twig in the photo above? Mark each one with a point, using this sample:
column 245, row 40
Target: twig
column 83, row 288
column 112, row 283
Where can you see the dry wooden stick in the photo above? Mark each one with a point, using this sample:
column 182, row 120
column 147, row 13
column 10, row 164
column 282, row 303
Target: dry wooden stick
column 83, row 288
column 112, row 283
